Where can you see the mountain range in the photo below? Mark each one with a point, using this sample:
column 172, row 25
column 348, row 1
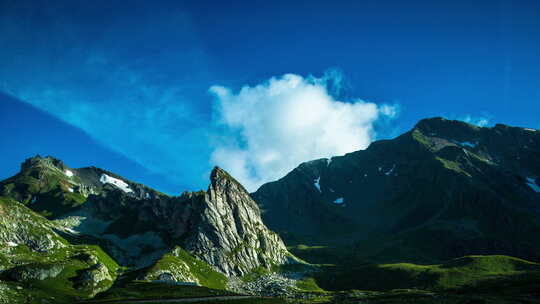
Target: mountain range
column 445, row 206
column 472, row 190
column 197, row 237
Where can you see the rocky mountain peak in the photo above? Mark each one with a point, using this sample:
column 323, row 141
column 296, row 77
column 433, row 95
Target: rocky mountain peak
column 217, row 173
column 424, row 182
column 230, row 233
column 449, row 129
column 42, row 162
column 220, row 178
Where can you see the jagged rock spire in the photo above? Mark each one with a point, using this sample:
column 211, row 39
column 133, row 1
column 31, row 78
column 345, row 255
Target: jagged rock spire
column 230, row 233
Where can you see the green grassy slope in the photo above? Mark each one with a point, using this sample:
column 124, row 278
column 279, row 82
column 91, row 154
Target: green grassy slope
column 155, row 290
column 184, row 267
column 465, row 272
column 36, row 263
column 63, row 274
column 46, row 189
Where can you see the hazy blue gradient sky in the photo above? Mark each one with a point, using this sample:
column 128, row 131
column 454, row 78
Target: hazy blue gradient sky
column 160, row 91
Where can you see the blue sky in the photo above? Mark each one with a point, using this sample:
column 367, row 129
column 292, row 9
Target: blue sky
column 153, row 90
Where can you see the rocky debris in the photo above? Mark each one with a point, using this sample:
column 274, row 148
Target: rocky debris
column 172, row 278
column 20, row 236
column 270, row 285
column 68, row 223
column 10, row 294
column 30, row 272
column 20, row 226
column 96, row 273
column 84, row 190
column 175, row 272
column 92, row 278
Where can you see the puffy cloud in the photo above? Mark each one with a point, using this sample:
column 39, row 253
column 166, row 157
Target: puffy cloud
column 270, row 128
column 479, row 121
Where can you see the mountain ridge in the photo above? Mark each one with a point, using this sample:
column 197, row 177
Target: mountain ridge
column 130, row 215
column 425, row 181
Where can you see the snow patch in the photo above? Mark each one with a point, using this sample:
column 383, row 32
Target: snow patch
column 339, row 201
column 328, row 161
column 68, row 173
column 70, row 189
column 317, row 184
column 391, row 170
column 12, row 244
column 105, row 179
column 468, row 144
column 71, row 231
column 531, row 182
column 531, row 130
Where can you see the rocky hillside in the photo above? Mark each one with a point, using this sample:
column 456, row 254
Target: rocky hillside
column 474, row 190
column 33, row 254
column 139, row 226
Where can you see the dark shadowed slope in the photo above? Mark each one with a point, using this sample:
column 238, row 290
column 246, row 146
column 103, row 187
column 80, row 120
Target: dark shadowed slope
column 442, row 190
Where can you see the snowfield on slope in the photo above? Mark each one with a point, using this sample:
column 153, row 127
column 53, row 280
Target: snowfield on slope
column 105, row 179
column 317, row 184
column 531, row 182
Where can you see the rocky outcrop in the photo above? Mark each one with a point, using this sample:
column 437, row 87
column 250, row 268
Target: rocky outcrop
column 20, row 226
column 175, row 268
column 94, row 279
column 31, row 250
column 229, row 232
column 221, row 226
column 31, row 272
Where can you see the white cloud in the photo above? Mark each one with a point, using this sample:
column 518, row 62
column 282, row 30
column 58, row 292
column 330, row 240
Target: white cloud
column 391, row 111
column 478, row 121
column 271, row 128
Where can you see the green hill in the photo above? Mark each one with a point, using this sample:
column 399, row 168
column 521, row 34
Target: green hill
column 469, row 271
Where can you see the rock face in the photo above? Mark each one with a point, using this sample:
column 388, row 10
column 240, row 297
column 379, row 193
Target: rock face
column 38, row 272
column 229, row 232
column 20, row 226
column 137, row 225
column 91, row 279
column 474, row 190
column 221, row 226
